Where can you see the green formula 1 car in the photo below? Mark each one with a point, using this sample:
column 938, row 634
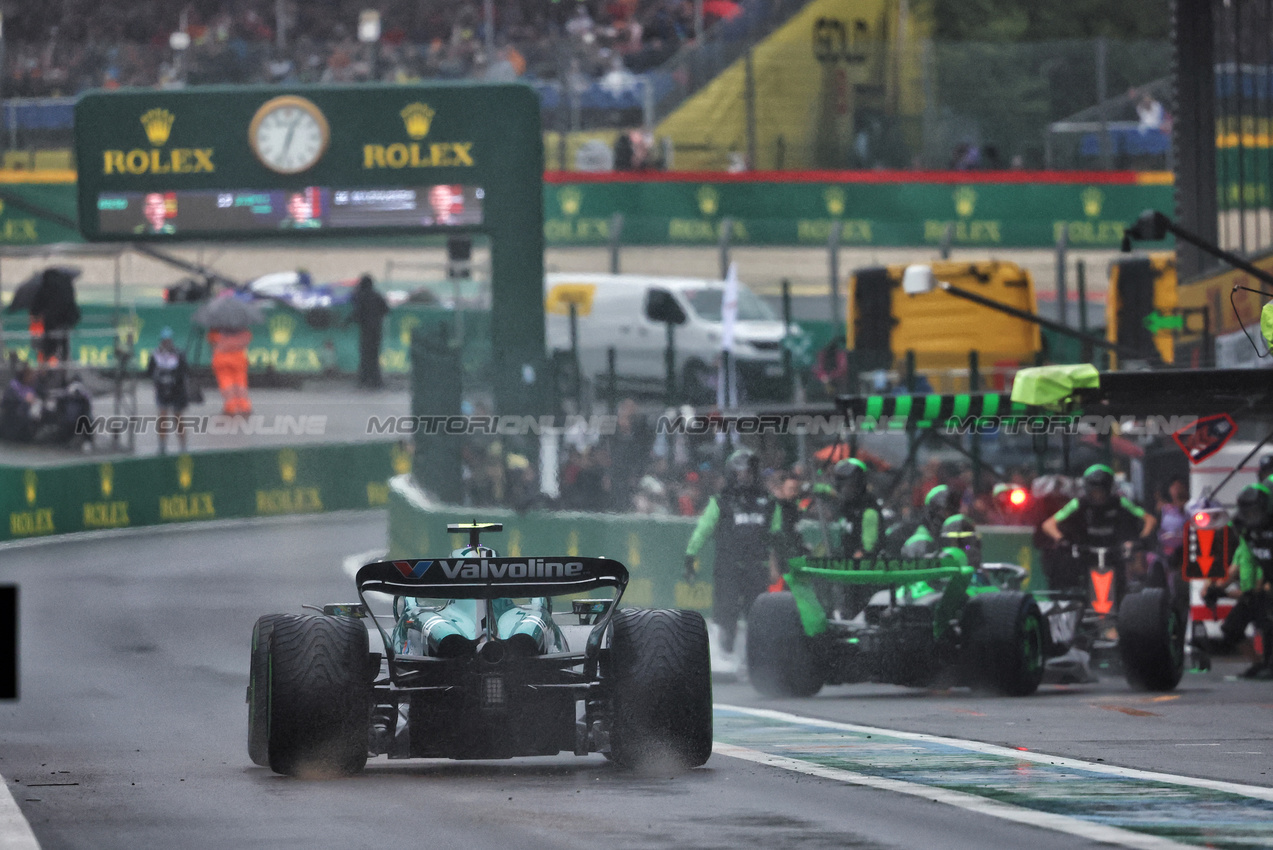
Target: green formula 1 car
column 928, row 622
column 481, row 657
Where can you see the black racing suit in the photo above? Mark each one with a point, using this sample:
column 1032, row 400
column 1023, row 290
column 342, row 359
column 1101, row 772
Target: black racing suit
column 1254, row 560
column 1109, row 525
column 860, row 532
column 740, row 520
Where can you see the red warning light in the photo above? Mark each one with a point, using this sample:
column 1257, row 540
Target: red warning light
column 1018, row 496
column 1200, row 519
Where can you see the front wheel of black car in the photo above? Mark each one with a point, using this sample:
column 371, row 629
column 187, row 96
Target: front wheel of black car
column 780, row 659
column 1003, row 643
column 662, row 688
column 319, row 700
column 1151, row 640
column 259, row 688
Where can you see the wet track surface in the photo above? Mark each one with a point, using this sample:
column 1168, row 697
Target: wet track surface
column 131, row 731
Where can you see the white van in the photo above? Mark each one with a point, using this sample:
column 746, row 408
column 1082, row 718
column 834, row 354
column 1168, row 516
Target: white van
column 631, row 313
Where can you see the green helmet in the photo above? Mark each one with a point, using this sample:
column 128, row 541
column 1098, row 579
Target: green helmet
column 959, row 532
column 1098, row 483
column 850, row 477
column 1255, row 505
column 940, row 503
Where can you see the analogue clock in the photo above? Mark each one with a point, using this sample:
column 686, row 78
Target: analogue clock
column 288, row 134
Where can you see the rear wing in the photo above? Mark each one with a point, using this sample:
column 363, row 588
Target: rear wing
column 492, row 578
column 894, row 572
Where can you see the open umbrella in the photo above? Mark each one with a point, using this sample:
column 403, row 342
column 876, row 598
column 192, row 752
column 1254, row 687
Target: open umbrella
column 227, row 313
column 25, row 293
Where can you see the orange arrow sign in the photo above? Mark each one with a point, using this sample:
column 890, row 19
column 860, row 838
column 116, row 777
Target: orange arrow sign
column 1101, row 585
column 1205, row 558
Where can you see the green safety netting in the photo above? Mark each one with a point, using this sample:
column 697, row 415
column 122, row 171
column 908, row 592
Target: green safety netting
column 1045, row 386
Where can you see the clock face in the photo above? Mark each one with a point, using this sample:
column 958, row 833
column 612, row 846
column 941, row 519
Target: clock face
column 288, row 134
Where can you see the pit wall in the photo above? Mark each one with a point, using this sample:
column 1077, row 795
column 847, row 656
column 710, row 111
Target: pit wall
column 652, row 547
column 170, row 489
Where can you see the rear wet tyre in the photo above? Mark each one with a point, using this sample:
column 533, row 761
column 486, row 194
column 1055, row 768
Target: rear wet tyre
column 1004, row 636
column 1151, row 640
column 320, row 695
column 780, row 659
column 258, row 688
column 662, row 688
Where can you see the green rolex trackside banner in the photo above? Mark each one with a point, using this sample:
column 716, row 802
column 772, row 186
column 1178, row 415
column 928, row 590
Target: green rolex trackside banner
column 886, row 209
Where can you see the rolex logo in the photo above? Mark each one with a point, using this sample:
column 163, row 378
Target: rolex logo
column 1093, row 200
column 158, row 124
column 287, row 465
column 835, row 201
column 281, row 327
column 708, row 200
column 29, row 481
column 129, row 327
column 417, row 117
column 570, row 199
column 185, row 472
column 405, row 326
column 106, row 473
column 965, row 201
column 400, row 459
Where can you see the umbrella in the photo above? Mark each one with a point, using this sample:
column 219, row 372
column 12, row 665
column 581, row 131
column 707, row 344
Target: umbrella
column 228, row 313
column 25, row 293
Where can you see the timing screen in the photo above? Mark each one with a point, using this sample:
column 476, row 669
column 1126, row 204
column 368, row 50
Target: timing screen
column 312, row 208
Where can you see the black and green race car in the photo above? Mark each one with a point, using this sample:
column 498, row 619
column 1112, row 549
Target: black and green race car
column 929, row 622
column 479, row 657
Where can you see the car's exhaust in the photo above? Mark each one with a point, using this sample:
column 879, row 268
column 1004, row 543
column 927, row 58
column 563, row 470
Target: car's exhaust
column 492, row 651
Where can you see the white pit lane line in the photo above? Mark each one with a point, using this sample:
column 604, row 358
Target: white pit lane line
column 973, row 803
column 970, row 802
column 1256, row 792
column 15, row 832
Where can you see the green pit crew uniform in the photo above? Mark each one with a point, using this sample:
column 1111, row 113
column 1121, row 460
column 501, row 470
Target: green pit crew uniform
column 740, row 520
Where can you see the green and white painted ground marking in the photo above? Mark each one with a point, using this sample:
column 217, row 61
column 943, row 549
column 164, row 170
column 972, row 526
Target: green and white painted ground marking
column 1099, row 802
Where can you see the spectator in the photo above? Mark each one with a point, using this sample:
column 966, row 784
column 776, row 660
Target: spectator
column 831, row 367
column 369, row 309
column 20, row 407
column 54, row 307
column 1172, row 516
column 168, row 370
column 630, row 452
column 1151, row 113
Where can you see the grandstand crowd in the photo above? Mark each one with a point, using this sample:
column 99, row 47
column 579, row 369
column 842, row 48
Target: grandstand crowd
column 62, row 47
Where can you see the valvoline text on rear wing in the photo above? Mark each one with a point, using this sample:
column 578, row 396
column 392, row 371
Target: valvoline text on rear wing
column 491, row 578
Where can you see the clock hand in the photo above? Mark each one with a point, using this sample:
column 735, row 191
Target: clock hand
column 287, row 140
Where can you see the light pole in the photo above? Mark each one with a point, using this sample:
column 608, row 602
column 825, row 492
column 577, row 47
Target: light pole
column 369, row 34
column 179, row 41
